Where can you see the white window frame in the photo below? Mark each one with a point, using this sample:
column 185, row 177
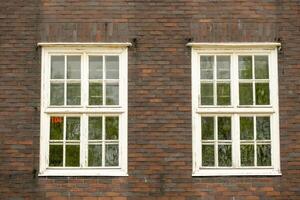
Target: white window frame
column 84, row 110
column 234, row 49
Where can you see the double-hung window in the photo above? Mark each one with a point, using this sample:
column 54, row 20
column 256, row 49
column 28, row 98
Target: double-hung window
column 235, row 109
column 84, row 110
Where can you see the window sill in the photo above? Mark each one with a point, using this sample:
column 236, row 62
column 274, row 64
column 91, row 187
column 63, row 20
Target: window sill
column 83, row 172
column 237, row 172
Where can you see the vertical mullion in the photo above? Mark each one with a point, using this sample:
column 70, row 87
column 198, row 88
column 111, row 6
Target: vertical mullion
column 216, row 140
column 215, row 80
column 255, row 143
column 64, row 140
column 104, row 81
column 236, row 141
column 103, row 140
column 83, row 140
column 253, row 82
column 65, row 82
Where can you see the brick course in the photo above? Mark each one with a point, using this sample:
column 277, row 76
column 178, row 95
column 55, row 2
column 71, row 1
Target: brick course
column 159, row 135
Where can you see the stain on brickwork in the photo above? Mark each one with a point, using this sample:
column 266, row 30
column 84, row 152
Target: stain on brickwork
column 159, row 135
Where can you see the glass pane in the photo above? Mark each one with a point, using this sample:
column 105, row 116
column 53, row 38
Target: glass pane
column 246, row 93
column 73, row 67
column 112, row 94
column 112, row 128
column 247, row 155
column 224, row 155
column 223, row 94
column 95, row 128
column 224, row 128
column 207, row 128
column 208, row 155
column 95, row 155
column 262, row 93
column 57, row 94
column 264, row 155
column 207, row 94
column 56, row 128
column 55, row 155
column 263, row 128
column 112, row 67
column 72, row 155
column 73, row 128
column 245, row 67
column 206, row 67
column 73, row 94
column 246, row 128
column 223, row 67
column 95, row 94
column 261, row 67
column 95, row 67
column 57, row 67
column 111, row 155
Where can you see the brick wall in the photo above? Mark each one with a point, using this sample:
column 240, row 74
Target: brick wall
column 160, row 137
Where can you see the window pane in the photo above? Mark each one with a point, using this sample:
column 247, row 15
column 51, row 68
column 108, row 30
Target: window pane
column 262, row 93
column 95, row 128
column 224, row 153
column 223, row 94
column 207, row 128
column 112, row 67
column 56, row 128
column 263, row 128
column 223, row 67
column 224, row 128
column 95, row 155
column 73, row 128
column 111, row 155
column 57, row 94
column 95, row 67
column 245, row 67
column 208, row 155
column 246, row 128
column 55, row 155
column 206, row 67
column 112, row 128
column 95, row 94
column 261, row 67
column 247, row 155
column 72, row 155
column 112, row 94
column 73, row 94
column 264, row 155
column 73, row 67
column 57, row 67
column 246, row 93
column 207, row 94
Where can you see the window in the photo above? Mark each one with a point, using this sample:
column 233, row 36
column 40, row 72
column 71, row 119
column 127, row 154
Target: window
column 84, row 110
column 235, row 109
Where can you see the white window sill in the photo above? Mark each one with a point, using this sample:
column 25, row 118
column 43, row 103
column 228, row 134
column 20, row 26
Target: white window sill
column 83, row 172
column 237, row 172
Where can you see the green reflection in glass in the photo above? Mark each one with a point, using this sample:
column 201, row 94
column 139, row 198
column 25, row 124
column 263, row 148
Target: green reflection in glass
column 247, row 155
column 56, row 128
column 112, row 94
column 73, row 67
column 206, row 67
column 56, row 155
column 207, row 128
column 57, row 94
column 73, row 94
column 72, row 155
column 95, row 67
column 208, row 155
column 224, row 128
column 111, row 155
column 263, row 128
column 245, row 67
column 223, row 93
column 112, row 67
column 111, row 128
column 57, row 67
column 264, row 155
column 224, row 155
column 261, row 67
column 95, row 94
column 95, row 155
column 223, row 67
column 95, row 128
column 246, row 93
column 246, row 128
column 262, row 93
column 207, row 94
column 73, row 128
